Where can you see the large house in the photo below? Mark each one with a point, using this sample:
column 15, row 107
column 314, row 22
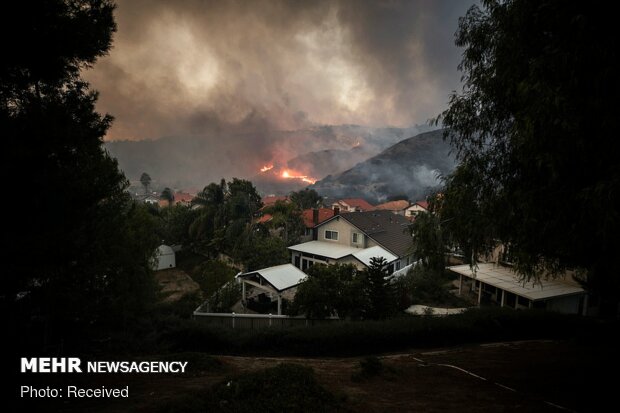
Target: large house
column 355, row 238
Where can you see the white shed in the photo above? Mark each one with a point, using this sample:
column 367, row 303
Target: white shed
column 164, row 258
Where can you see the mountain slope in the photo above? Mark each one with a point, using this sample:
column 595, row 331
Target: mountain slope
column 410, row 167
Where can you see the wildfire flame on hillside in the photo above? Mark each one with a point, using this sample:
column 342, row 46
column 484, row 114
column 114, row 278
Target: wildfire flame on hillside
column 284, row 173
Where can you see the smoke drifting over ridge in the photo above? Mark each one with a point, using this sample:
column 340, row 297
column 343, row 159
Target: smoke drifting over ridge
column 237, row 73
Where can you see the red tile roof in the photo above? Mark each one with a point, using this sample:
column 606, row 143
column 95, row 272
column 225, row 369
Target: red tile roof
column 265, row 218
column 324, row 214
column 423, row 204
column 394, row 205
column 183, row 197
column 358, row 203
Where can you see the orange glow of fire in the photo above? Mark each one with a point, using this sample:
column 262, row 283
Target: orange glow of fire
column 289, row 174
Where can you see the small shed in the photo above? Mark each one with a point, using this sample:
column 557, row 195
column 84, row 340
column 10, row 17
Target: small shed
column 164, row 258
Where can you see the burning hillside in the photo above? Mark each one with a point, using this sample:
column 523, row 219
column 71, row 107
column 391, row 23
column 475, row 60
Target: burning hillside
column 277, row 173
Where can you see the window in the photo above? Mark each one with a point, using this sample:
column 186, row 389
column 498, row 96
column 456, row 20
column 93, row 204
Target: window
column 356, row 238
column 333, row 235
column 397, row 265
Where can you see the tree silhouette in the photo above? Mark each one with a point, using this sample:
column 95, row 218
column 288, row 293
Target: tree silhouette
column 145, row 180
column 168, row 195
column 81, row 250
column 535, row 131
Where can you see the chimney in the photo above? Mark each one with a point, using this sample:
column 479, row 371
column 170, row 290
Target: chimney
column 336, row 210
column 315, row 216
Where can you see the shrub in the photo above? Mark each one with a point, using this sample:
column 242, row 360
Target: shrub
column 284, row 388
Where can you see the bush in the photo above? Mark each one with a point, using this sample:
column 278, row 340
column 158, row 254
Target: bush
column 183, row 307
column 212, row 275
column 422, row 285
column 371, row 366
column 284, row 388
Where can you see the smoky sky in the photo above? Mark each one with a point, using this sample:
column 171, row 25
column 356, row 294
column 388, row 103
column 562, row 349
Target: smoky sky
column 199, row 67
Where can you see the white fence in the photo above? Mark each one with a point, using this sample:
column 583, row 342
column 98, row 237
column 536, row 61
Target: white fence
column 256, row 321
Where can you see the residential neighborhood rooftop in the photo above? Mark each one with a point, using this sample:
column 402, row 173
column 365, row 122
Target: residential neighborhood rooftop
column 357, row 203
column 506, row 279
column 323, row 215
column 386, row 228
column 325, row 249
column 366, row 254
column 394, row 205
column 281, row 277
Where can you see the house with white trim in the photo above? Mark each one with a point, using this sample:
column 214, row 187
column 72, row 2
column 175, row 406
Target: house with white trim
column 355, row 238
column 416, row 208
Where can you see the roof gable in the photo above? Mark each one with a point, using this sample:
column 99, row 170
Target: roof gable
column 357, row 203
column 394, row 205
column 389, row 230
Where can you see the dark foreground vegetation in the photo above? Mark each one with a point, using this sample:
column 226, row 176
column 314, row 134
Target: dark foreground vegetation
column 169, row 333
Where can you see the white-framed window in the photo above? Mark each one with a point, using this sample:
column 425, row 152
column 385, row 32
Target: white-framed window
column 333, row 235
column 397, row 265
column 356, row 238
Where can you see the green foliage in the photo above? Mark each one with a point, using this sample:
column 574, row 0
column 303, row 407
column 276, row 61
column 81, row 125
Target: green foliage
column 174, row 224
column 286, row 217
column 258, row 251
column 334, row 290
column 243, row 200
column 534, row 128
column 379, row 291
column 429, row 245
column 225, row 297
column 224, row 215
column 211, row 275
column 81, row 248
column 284, row 388
column 426, row 286
column 306, row 199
